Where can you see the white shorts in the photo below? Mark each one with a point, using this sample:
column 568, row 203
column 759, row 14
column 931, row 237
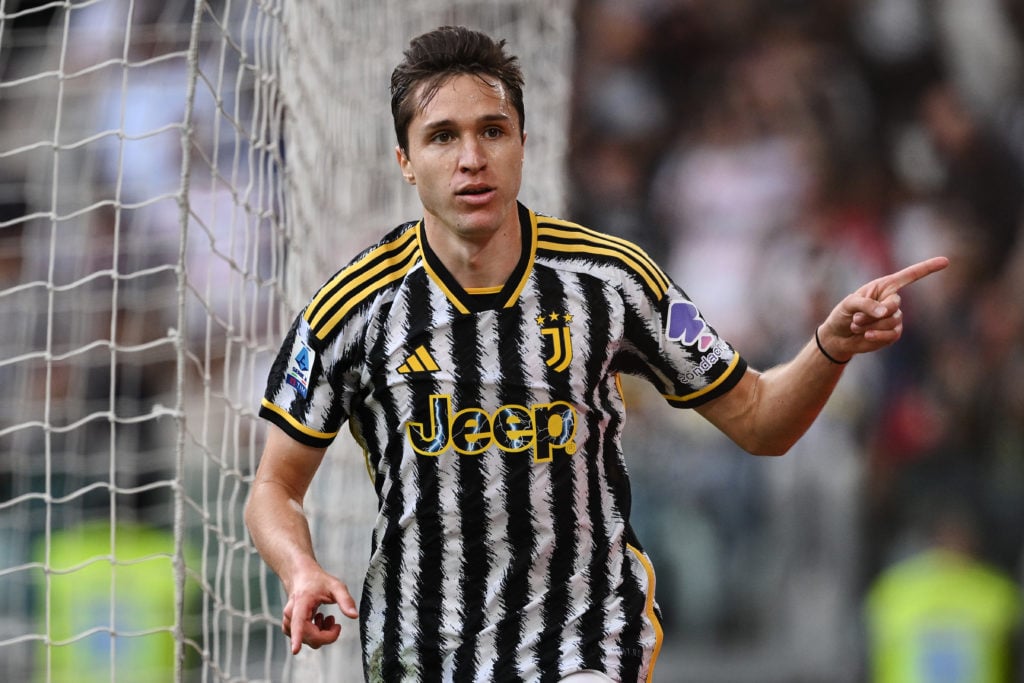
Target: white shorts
column 587, row 677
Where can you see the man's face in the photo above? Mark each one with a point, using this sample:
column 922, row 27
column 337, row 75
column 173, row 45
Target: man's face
column 465, row 158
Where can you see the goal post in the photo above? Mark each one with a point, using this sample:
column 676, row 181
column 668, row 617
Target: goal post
column 175, row 179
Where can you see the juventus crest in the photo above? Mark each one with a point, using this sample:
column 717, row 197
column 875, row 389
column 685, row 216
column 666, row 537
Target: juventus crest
column 555, row 327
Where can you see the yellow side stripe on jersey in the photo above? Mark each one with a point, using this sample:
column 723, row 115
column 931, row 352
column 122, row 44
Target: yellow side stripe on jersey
column 709, row 388
column 295, row 424
column 352, row 288
column 659, row 632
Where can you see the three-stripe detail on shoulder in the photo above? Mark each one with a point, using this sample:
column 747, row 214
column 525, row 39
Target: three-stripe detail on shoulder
column 570, row 238
column 379, row 267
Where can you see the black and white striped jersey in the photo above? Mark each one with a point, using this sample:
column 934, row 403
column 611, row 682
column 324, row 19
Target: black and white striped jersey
column 491, row 422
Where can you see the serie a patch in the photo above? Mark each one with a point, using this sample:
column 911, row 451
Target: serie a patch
column 300, row 362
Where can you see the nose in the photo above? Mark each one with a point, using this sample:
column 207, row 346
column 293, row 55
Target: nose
column 472, row 157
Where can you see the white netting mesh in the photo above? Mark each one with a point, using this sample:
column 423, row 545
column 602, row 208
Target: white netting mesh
column 154, row 244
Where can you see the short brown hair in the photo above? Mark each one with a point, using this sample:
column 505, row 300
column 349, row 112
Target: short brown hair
column 436, row 56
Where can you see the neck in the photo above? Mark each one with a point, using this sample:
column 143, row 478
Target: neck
column 480, row 261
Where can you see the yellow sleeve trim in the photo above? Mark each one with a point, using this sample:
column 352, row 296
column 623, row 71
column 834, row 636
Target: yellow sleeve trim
column 709, row 388
column 294, row 423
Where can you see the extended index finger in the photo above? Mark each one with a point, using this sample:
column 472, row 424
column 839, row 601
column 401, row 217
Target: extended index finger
column 898, row 280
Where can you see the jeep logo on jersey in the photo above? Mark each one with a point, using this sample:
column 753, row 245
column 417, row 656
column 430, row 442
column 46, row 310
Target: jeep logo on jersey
column 686, row 325
column 545, row 427
column 560, row 349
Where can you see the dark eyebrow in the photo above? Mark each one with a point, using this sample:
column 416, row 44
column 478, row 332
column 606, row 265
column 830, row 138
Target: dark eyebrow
column 450, row 123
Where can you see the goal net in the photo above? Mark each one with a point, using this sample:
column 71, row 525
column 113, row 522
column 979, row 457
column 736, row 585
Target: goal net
column 175, row 179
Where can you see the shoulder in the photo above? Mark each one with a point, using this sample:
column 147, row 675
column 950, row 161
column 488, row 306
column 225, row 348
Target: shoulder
column 599, row 253
column 378, row 267
column 399, row 240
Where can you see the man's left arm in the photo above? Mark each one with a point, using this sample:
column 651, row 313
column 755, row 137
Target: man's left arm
column 767, row 412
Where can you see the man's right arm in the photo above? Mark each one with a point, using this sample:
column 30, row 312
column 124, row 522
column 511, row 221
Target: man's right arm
column 280, row 531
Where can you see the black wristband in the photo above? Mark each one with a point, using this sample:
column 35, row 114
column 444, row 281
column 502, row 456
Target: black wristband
column 825, row 353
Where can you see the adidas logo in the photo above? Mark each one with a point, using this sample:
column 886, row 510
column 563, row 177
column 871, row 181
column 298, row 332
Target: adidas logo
column 419, row 361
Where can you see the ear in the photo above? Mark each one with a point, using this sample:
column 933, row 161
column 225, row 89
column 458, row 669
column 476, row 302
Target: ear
column 405, row 165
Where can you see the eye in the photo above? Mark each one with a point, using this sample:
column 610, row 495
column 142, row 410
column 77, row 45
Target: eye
column 442, row 137
column 493, row 132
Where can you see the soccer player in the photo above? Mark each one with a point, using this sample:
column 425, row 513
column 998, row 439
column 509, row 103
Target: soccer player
column 475, row 356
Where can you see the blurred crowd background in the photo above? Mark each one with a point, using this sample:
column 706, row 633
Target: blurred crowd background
column 772, row 155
